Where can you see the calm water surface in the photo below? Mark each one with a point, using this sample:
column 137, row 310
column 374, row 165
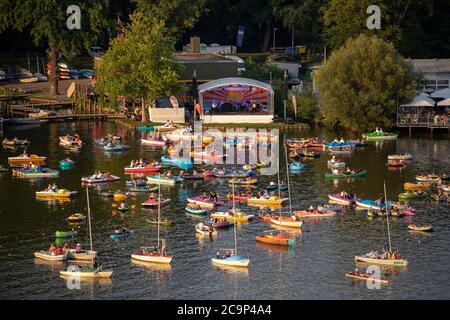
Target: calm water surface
column 314, row 269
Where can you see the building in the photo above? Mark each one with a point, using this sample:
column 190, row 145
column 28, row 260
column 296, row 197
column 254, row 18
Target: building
column 435, row 73
column 236, row 100
column 207, row 67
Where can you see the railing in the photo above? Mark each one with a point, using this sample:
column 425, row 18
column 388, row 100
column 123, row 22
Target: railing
column 423, row 121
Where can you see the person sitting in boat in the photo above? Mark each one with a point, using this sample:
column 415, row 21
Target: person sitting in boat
column 167, row 124
column 24, row 154
column 333, row 159
column 169, row 174
column 54, row 187
column 344, row 194
column 342, row 140
column 78, row 248
column 266, row 195
column 335, row 171
column 211, row 196
column 386, row 246
column 59, row 251
column 52, row 249
column 311, row 208
column 181, row 175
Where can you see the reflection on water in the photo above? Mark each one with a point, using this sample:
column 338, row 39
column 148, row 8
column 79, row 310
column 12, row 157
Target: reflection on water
column 314, row 267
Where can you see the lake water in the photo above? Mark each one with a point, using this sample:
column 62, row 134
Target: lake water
column 313, row 269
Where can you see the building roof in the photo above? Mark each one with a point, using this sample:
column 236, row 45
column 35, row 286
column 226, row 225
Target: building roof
column 227, row 81
column 201, row 58
column 422, row 100
column 431, row 65
column 443, row 94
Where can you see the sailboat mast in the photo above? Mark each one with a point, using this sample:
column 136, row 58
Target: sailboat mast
column 234, row 212
column 387, row 217
column 89, row 217
column 159, row 207
column 288, row 179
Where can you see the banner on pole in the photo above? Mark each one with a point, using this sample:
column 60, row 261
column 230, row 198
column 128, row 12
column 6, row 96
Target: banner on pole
column 240, row 36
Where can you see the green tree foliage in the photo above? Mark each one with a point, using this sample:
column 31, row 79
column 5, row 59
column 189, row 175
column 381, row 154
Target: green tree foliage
column 178, row 15
column 403, row 22
column 46, row 22
column 139, row 63
column 307, row 110
column 303, row 15
column 361, row 82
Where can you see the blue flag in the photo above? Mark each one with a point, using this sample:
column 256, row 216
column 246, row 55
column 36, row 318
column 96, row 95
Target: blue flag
column 240, row 36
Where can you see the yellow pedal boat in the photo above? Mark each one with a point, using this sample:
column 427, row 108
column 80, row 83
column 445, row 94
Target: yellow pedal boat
column 59, row 194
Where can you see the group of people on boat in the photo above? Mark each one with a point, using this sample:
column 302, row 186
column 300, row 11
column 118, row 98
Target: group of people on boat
column 61, row 249
column 349, row 196
column 213, row 196
column 141, row 163
column 347, row 171
column 379, row 131
column 100, row 175
column 52, row 188
column 385, row 254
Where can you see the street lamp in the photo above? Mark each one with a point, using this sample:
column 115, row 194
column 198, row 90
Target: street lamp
column 274, row 35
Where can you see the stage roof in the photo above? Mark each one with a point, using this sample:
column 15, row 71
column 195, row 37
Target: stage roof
column 234, row 81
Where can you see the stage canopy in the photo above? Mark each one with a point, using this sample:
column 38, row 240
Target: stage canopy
column 236, row 96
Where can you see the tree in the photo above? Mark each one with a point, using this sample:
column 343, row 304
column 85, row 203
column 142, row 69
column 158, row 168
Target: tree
column 307, row 110
column 362, row 82
column 402, row 22
column 178, row 15
column 303, row 15
column 139, row 63
column 47, row 22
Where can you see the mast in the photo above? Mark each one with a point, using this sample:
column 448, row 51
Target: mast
column 89, row 217
column 159, row 207
column 387, row 216
column 234, row 212
column 288, row 180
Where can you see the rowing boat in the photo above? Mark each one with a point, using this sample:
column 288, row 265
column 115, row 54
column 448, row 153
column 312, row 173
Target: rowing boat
column 416, row 186
column 61, row 193
column 320, row 213
column 384, row 262
column 432, row 178
column 75, row 272
column 360, row 173
column 158, row 179
column 15, row 142
column 36, row 173
column 46, row 255
column 146, row 169
column 25, row 160
column 102, row 179
column 412, row 195
column 165, row 222
column 205, row 230
column 237, row 216
column 370, row 204
column 204, row 202
column 396, row 163
column 365, row 277
column 76, row 217
column 118, row 235
column 243, row 182
column 337, row 198
column 153, row 203
column 271, row 201
column 379, row 136
column 414, row 227
column 289, row 222
column 405, row 156
column 277, row 237
column 196, row 211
